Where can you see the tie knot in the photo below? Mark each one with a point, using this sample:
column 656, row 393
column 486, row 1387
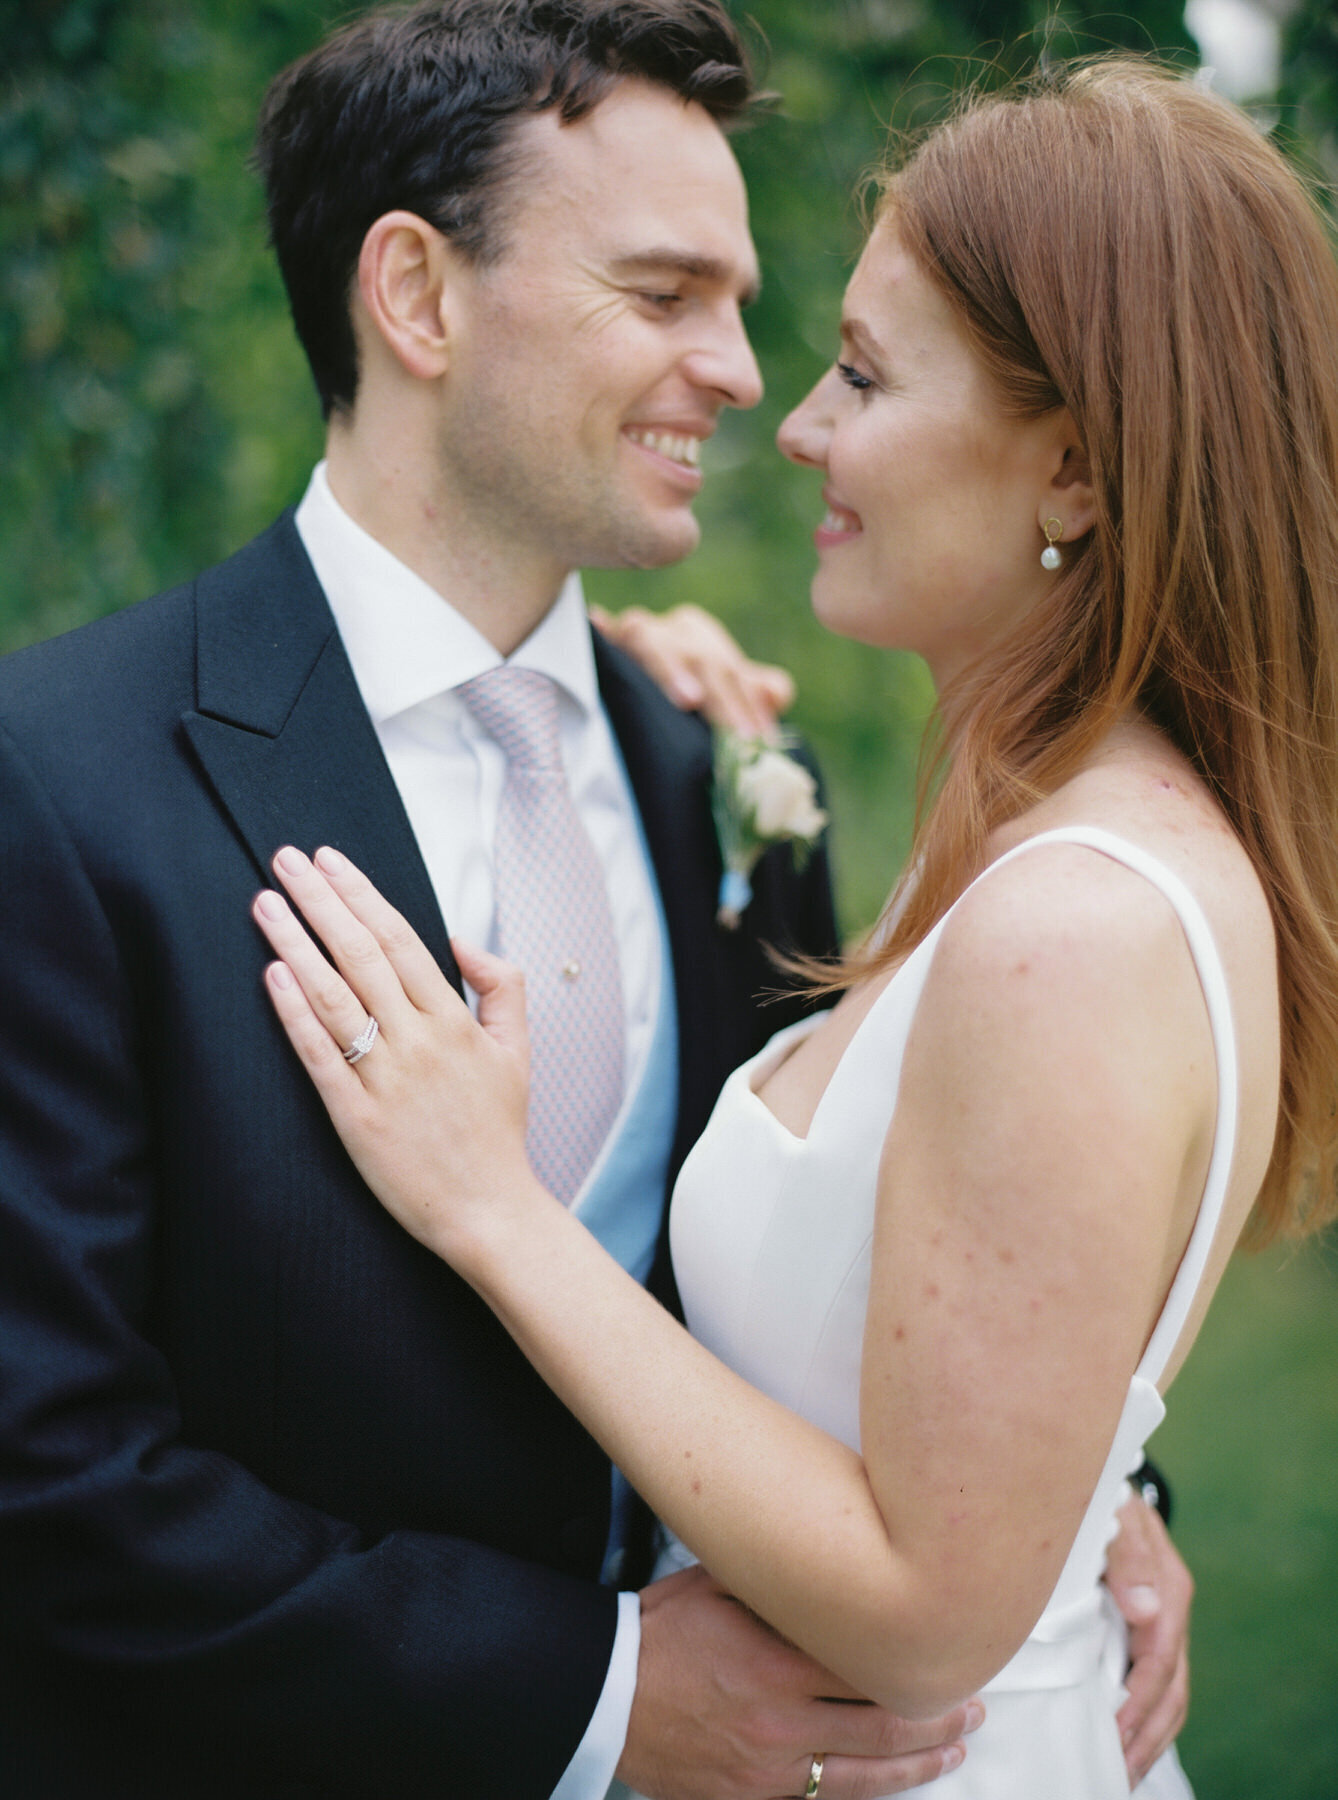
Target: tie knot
column 519, row 708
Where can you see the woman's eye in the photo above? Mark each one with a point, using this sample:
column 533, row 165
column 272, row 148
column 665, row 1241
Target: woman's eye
column 853, row 378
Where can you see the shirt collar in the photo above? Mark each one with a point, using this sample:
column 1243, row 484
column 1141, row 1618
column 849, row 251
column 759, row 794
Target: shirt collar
column 405, row 641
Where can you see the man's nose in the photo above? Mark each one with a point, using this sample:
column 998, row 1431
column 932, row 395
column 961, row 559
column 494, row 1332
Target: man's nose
column 727, row 366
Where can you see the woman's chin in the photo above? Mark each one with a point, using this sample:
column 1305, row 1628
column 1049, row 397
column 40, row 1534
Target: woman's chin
column 855, row 616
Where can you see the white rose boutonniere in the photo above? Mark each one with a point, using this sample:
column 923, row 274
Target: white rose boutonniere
column 762, row 797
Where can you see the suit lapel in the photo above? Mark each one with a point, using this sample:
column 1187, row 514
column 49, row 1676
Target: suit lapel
column 285, row 741
column 283, row 736
column 668, row 759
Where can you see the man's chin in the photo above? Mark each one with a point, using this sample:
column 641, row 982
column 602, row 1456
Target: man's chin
column 662, row 548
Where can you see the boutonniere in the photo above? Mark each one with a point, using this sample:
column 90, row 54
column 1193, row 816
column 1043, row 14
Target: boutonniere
column 762, row 796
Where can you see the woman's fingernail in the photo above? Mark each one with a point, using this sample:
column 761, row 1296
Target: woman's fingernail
column 330, row 860
column 975, row 1716
column 291, row 861
column 281, row 975
column 1145, row 1600
column 953, row 1758
column 270, row 904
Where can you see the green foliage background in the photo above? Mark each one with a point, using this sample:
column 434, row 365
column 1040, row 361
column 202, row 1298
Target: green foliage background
column 155, row 412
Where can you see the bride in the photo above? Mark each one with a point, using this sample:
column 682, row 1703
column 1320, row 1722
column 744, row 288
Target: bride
column 942, row 1250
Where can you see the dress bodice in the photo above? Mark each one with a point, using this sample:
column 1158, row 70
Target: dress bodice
column 772, row 1235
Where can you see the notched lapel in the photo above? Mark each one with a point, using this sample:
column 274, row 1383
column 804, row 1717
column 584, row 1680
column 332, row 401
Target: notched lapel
column 283, row 736
column 667, row 755
column 668, row 759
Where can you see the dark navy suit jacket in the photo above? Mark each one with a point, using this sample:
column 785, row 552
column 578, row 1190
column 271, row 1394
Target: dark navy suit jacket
column 282, row 1510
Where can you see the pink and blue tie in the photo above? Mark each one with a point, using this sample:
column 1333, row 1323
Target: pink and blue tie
column 554, row 921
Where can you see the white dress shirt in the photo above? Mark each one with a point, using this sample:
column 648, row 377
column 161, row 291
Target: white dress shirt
column 409, row 648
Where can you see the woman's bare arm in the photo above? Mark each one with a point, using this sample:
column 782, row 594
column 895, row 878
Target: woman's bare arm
column 1029, row 1196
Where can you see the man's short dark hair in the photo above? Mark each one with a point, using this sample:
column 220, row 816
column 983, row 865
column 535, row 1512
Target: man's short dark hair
column 416, row 108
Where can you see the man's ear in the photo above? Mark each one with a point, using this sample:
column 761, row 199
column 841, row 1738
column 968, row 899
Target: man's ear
column 406, row 272
column 1069, row 496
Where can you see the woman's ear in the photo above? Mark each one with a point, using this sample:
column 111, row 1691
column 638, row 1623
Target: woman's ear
column 1069, row 496
column 405, row 273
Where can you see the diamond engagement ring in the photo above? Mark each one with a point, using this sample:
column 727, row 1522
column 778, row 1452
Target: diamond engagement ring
column 362, row 1044
column 814, row 1777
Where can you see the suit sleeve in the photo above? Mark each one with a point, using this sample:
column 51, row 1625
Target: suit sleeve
column 155, row 1594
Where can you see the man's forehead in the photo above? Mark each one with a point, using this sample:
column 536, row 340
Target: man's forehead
column 645, row 177
column 637, row 133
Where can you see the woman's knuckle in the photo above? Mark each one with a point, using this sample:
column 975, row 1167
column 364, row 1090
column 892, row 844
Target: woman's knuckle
column 367, row 1120
column 328, row 994
column 360, row 948
column 396, row 934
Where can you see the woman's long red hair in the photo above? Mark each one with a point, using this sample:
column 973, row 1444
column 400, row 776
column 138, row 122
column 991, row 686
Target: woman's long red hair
column 1121, row 243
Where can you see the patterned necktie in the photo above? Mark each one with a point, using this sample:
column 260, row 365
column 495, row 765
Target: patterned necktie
column 553, row 920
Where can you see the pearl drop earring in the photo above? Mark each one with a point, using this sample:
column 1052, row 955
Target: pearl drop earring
column 1050, row 556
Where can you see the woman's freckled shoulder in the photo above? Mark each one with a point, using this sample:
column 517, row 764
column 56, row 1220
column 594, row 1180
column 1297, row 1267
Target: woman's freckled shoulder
column 1061, row 914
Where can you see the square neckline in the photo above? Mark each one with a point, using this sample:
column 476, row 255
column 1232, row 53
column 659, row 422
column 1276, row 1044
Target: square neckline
column 1206, row 958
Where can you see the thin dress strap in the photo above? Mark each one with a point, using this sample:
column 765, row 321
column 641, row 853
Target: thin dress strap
column 1212, row 980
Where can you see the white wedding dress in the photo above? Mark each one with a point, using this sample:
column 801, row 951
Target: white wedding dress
column 771, row 1239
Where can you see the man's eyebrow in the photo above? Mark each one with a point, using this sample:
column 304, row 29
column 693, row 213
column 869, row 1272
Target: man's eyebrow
column 684, row 262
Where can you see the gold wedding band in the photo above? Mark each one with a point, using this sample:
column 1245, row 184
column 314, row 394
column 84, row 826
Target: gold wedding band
column 814, row 1776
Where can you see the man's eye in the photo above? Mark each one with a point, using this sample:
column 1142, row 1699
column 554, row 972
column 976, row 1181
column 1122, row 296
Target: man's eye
column 853, row 378
column 665, row 302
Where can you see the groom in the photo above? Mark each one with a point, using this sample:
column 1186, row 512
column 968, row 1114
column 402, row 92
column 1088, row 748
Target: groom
column 282, row 1513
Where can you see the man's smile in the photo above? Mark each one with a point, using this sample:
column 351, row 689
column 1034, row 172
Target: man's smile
column 677, row 447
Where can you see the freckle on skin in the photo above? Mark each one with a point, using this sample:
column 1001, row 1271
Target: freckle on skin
column 1006, row 1256
column 696, row 1485
column 900, row 1333
column 931, row 1290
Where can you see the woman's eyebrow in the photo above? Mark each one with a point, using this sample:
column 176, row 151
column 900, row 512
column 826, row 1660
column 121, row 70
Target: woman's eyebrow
column 858, row 333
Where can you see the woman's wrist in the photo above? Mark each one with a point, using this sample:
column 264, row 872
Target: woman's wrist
column 481, row 1240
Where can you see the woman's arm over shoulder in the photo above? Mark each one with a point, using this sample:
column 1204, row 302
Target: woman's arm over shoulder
column 1053, row 1125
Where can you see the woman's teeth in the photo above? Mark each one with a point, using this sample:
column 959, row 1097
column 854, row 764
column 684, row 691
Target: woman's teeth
column 841, row 521
column 685, row 450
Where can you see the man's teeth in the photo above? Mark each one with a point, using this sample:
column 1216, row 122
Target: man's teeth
column 685, row 450
column 841, row 521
